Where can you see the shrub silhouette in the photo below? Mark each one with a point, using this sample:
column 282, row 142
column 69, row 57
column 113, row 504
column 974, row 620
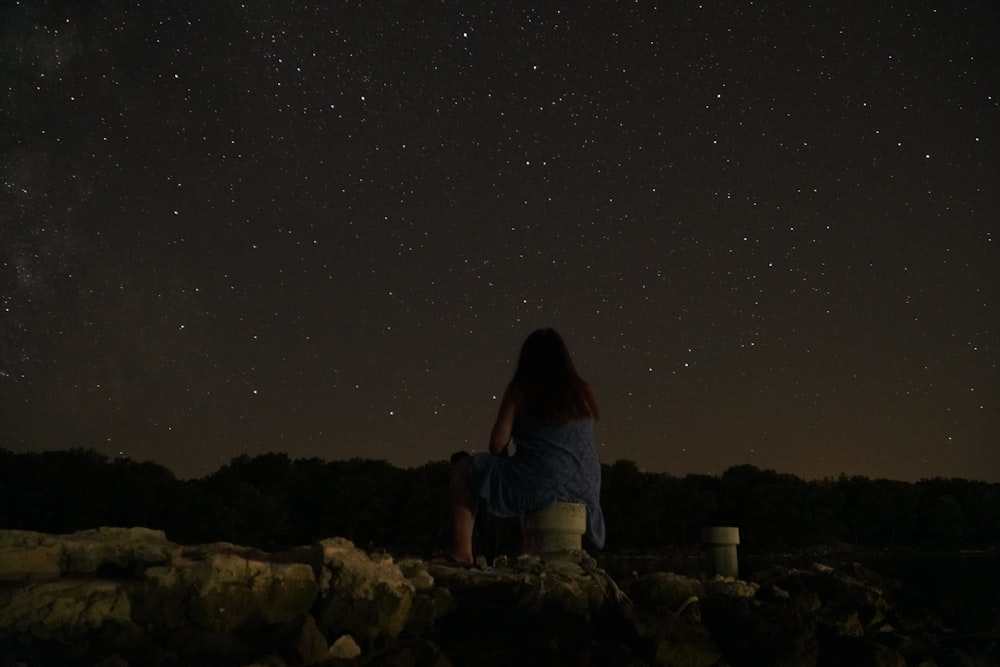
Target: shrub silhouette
column 274, row 502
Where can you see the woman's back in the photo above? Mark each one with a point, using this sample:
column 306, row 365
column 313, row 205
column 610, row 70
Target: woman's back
column 552, row 463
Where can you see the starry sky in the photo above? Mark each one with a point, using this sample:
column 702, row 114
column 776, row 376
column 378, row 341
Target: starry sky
column 766, row 230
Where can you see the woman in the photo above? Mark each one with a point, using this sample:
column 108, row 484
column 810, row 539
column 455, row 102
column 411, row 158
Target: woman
column 548, row 412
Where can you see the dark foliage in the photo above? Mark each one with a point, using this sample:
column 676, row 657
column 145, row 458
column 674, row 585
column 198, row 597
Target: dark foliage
column 274, row 502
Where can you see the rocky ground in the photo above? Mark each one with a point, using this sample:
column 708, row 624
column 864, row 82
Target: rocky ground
column 128, row 597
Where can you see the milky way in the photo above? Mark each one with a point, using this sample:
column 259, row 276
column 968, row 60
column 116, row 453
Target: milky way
column 767, row 232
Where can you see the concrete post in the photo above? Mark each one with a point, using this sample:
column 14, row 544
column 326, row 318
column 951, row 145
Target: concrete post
column 558, row 527
column 721, row 542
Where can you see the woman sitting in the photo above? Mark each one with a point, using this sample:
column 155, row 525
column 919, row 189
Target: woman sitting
column 548, row 413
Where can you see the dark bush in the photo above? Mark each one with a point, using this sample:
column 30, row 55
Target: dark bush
column 273, row 502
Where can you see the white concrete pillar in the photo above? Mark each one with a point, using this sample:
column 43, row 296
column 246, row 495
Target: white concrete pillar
column 721, row 542
column 558, row 527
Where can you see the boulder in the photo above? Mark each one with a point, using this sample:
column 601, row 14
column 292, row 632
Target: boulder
column 308, row 646
column 365, row 596
column 225, row 592
column 64, row 610
column 28, row 555
column 115, row 552
column 345, row 648
column 112, row 552
column 665, row 591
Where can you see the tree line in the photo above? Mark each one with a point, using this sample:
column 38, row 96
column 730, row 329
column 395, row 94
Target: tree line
column 273, row 502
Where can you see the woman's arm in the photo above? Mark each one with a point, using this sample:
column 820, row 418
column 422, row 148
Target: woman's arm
column 504, row 424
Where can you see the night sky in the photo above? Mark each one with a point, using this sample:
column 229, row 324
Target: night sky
column 767, row 232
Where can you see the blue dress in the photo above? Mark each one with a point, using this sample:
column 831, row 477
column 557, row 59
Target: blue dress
column 552, row 463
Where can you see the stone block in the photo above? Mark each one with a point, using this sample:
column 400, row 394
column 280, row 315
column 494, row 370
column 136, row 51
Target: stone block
column 558, row 527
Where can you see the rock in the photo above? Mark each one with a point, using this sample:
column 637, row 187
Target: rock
column 310, row 644
column 345, row 648
column 111, row 551
column 115, row 552
column 531, row 585
column 415, row 570
column 662, row 591
column 127, row 596
column 23, row 556
column 858, row 652
column 686, row 653
column 731, row 587
column 225, row 592
column 64, row 611
column 753, row 632
column 559, row 610
column 363, row 596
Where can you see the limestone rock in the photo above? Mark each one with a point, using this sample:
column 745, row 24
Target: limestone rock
column 771, row 634
column 28, row 555
column 731, row 587
column 223, row 592
column 64, row 611
column 686, row 653
column 310, row 644
column 112, row 551
column 127, row 596
column 665, row 591
column 345, row 648
column 115, row 551
column 415, row 570
column 363, row 596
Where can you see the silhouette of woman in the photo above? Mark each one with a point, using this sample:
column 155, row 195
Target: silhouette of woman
column 548, row 413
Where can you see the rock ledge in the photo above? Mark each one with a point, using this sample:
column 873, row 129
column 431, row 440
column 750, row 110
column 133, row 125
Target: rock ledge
column 120, row 597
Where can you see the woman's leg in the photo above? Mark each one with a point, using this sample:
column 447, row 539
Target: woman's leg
column 463, row 511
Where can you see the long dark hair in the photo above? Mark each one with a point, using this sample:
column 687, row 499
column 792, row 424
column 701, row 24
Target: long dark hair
column 548, row 381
